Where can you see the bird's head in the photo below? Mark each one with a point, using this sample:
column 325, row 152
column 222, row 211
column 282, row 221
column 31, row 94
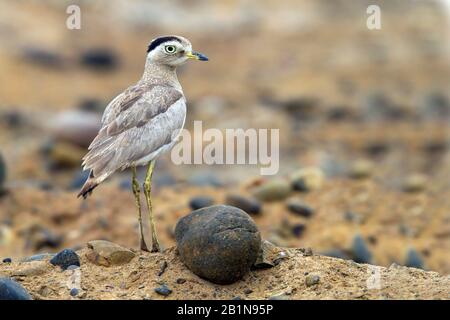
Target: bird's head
column 172, row 51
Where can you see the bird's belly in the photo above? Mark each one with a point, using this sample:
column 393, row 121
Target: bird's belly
column 172, row 122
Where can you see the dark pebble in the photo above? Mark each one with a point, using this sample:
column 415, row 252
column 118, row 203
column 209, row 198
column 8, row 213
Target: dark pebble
column 43, row 57
column 372, row 240
column 44, row 238
column 299, row 208
column 74, row 292
column 436, row 106
column 298, row 229
column 13, row 119
column 301, row 108
column 339, row 113
column 11, row 290
column 7, row 260
column 360, row 251
column 66, row 258
column 436, row 147
column 200, row 202
column 218, row 243
column 413, row 259
column 249, row 205
column 99, row 59
column 377, row 106
column 180, row 280
column 163, row 290
column 376, row 149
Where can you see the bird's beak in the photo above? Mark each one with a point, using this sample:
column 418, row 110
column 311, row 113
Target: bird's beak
column 197, row 56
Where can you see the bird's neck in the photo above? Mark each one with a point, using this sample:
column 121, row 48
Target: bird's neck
column 157, row 73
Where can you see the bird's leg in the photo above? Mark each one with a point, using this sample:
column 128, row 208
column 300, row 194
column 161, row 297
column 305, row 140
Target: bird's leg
column 147, row 191
column 137, row 192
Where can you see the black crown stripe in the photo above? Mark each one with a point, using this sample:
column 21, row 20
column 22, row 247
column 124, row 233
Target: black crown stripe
column 160, row 40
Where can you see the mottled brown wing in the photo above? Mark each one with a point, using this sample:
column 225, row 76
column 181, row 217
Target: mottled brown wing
column 138, row 110
column 123, row 118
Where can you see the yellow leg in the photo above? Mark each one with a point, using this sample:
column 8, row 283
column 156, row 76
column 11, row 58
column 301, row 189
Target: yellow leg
column 136, row 192
column 147, row 191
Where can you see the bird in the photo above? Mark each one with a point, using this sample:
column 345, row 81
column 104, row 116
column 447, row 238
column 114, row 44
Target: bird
column 141, row 123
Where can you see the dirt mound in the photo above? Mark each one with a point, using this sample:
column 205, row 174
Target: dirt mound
column 298, row 276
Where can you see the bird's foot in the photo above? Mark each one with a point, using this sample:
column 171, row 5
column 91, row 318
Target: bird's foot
column 144, row 246
column 155, row 246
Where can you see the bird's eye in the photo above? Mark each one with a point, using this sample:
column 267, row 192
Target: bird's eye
column 170, row 49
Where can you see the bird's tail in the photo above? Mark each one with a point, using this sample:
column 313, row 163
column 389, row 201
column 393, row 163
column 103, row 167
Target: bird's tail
column 90, row 184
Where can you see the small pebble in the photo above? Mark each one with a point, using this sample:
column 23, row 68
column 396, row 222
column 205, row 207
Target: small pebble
column 299, row 208
column 99, row 59
column 43, row 57
column 41, row 237
column 106, row 253
column 180, row 280
column 163, row 290
column 7, row 260
column 298, row 229
column 312, row 280
column 415, row 183
column 74, row 292
column 307, row 179
column 361, row 169
column 249, row 205
column 66, row 258
column 272, row 191
column 435, row 105
column 200, row 202
column 65, row 155
column 413, row 259
column 360, row 251
column 308, row 252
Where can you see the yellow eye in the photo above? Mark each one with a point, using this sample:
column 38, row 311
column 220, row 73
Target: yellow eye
column 170, row 49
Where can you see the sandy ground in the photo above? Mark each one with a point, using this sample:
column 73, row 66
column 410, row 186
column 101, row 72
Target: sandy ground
column 339, row 279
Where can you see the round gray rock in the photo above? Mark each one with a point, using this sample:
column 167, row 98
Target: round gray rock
column 218, row 243
column 11, row 290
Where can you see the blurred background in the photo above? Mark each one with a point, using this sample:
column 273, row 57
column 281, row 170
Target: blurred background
column 364, row 119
